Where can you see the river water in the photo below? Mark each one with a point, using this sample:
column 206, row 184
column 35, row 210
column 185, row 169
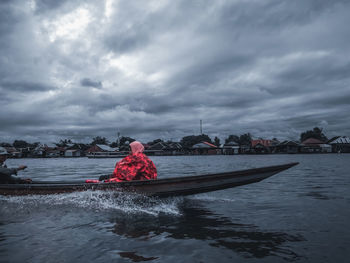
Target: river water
column 299, row 215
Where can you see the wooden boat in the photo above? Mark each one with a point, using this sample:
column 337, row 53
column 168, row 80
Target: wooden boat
column 187, row 185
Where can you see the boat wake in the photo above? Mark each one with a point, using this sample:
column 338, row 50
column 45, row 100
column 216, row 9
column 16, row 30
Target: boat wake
column 211, row 198
column 97, row 201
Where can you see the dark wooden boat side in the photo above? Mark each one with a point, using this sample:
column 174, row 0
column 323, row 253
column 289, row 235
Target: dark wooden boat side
column 161, row 187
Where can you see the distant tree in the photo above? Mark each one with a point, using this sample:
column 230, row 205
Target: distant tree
column 217, row 141
column 64, row 143
column 232, row 138
column 245, row 139
column 114, row 144
column 315, row 133
column 20, row 144
column 125, row 139
column 5, row 144
column 36, row 144
column 189, row 141
column 99, row 140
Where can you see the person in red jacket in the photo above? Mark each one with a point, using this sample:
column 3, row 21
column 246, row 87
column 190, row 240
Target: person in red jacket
column 136, row 166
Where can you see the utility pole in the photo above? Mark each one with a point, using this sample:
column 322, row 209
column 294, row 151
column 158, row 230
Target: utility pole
column 118, row 139
column 200, row 124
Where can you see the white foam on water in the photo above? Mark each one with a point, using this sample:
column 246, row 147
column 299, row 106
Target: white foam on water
column 99, row 200
column 210, row 198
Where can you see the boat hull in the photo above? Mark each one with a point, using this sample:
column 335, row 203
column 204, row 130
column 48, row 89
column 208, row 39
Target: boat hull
column 161, row 187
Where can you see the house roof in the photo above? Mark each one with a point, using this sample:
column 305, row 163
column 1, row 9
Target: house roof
column 51, row 145
column 175, row 145
column 340, row 140
column 231, row 144
column 106, row 148
column 165, row 146
column 265, row 143
column 290, row 143
column 312, row 141
column 204, row 145
column 158, row 146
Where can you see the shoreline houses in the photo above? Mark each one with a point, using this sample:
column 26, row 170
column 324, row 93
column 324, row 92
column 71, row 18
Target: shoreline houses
column 313, row 145
column 100, row 150
column 339, row 144
column 290, row 147
column 261, row 146
column 230, row 148
column 204, row 148
column 163, row 148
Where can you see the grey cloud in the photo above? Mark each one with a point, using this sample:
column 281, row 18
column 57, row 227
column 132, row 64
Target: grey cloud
column 134, row 27
column 25, row 86
column 17, row 121
column 126, row 41
column 307, row 121
column 309, row 78
column 336, row 100
column 129, row 30
column 210, row 70
column 86, row 82
column 48, row 5
column 9, row 18
column 274, row 14
column 318, row 71
column 172, row 103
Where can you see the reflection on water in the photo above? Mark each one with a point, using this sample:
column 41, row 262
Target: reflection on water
column 317, row 195
column 134, row 257
column 198, row 223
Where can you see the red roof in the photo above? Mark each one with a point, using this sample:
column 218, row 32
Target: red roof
column 211, row 145
column 312, row 141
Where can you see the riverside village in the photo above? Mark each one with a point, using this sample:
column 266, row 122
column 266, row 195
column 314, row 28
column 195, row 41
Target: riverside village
column 312, row 141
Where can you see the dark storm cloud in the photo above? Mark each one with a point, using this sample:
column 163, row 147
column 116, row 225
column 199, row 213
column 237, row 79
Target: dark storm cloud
column 86, row 82
column 153, row 69
column 335, row 100
column 312, row 120
column 167, row 104
column 14, row 122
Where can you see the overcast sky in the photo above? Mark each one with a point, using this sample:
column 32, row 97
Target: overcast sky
column 154, row 69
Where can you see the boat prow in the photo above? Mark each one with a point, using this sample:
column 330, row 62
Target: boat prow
column 186, row 185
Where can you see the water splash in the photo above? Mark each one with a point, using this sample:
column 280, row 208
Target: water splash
column 211, row 198
column 96, row 200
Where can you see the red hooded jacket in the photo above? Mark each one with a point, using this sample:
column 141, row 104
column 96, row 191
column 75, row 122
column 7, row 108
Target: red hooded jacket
column 135, row 166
